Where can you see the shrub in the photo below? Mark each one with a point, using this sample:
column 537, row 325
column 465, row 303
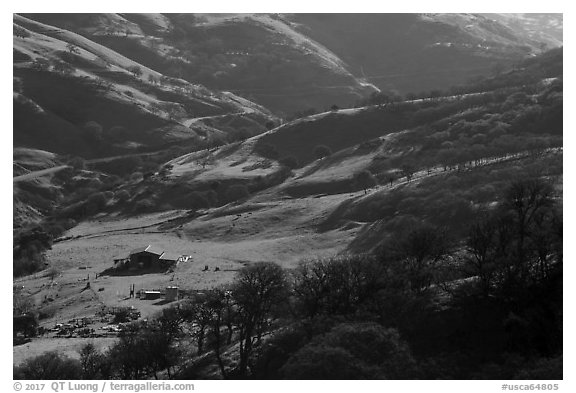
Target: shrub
column 290, row 161
column 94, row 364
column 20, row 32
column 122, row 315
column 353, row 351
column 47, row 312
column 25, row 324
column 317, row 361
column 49, row 365
column 365, row 180
column 322, row 151
column 276, row 351
column 52, row 273
column 28, row 265
column 375, row 345
column 95, row 203
column 41, row 64
column 63, row 68
column 135, row 70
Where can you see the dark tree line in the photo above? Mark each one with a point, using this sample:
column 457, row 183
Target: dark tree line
column 519, row 244
column 394, row 314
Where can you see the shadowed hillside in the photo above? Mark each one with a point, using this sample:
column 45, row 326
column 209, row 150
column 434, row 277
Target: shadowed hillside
column 180, row 211
column 414, row 53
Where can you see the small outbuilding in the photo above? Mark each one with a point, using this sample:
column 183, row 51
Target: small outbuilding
column 171, row 294
column 150, row 295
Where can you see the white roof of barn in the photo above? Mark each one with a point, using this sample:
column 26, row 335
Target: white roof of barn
column 149, row 249
column 169, row 256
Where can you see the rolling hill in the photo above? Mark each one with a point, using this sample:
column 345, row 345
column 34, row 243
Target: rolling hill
column 420, row 52
column 194, row 134
column 258, row 56
column 64, row 82
column 292, row 62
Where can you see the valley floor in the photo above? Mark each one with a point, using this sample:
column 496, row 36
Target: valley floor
column 270, row 226
column 277, row 229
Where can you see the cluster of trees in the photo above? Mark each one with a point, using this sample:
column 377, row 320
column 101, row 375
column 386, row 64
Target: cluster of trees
column 508, row 266
column 392, row 314
column 428, row 122
column 527, row 72
column 61, row 67
column 25, row 323
column 84, row 197
column 469, row 132
column 135, row 70
column 519, row 245
column 20, row 32
column 451, row 200
column 28, row 251
column 241, row 314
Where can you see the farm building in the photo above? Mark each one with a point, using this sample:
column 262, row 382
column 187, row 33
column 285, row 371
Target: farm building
column 150, row 256
column 169, row 258
column 145, row 256
column 150, row 295
column 171, row 294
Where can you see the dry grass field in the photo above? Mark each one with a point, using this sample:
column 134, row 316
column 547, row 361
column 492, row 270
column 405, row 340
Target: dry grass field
column 267, row 227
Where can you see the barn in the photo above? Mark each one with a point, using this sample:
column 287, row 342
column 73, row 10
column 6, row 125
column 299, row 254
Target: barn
column 148, row 257
column 168, row 258
column 144, row 257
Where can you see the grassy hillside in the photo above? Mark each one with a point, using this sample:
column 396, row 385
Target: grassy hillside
column 475, row 142
column 414, row 53
column 75, row 96
column 399, row 239
column 257, row 56
column 543, row 28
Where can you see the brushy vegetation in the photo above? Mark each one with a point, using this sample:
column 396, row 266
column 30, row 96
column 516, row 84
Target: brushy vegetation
column 453, row 279
column 425, row 305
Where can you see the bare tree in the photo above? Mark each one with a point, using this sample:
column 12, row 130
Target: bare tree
column 408, row 171
column 526, row 199
column 481, row 245
column 365, row 180
column 258, row 289
column 419, row 252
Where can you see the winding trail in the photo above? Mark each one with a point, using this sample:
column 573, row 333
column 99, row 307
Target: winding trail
column 189, row 122
column 40, row 173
